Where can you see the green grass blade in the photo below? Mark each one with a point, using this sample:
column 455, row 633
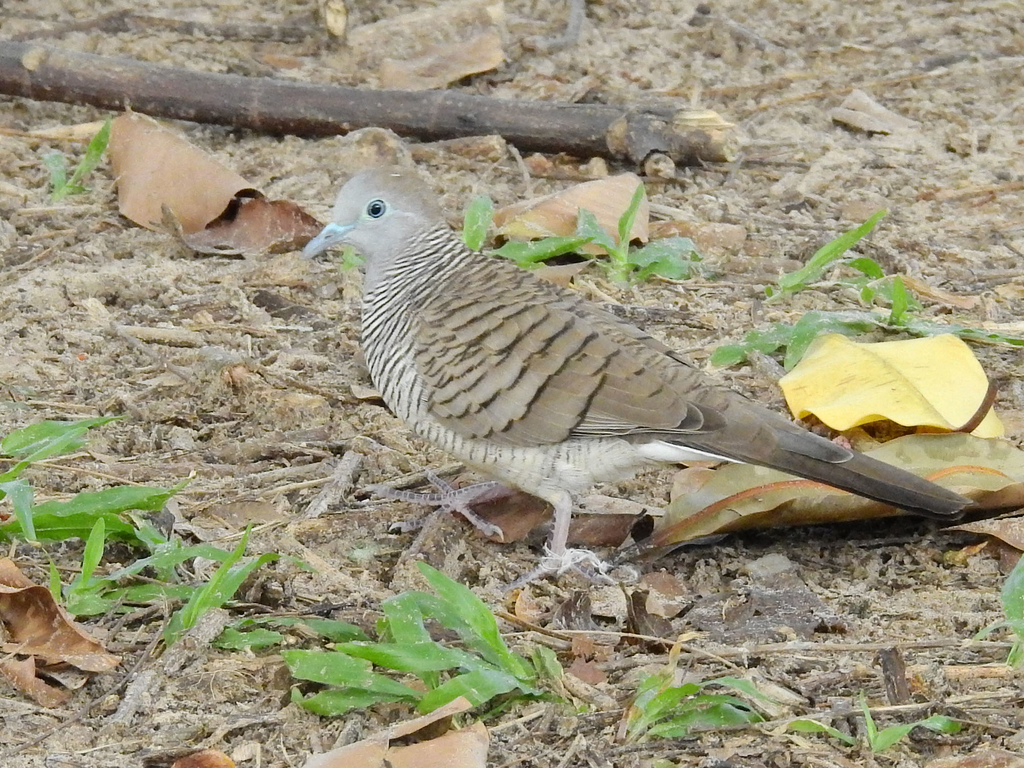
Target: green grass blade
column 48, row 438
column 482, row 629
column 588, row 226
column 218, row 590
column 1012, row 593
column 93, row 155
column 334, row 703
column 870, row 269
column 628, row 217
column 60, row 520
column 344, row 671
column 829, row 253
column 334, row 630
column 546, row 663
column 900, row 303
column 417, row 658
column 706, row 713
column 20, row 494
column 169, row 555
column 531, row 253
column 671, row 257
column 93, row 551
column 807, row 725
column 478, row 686
column 477, row 221
column 54, row 585
column 232, row 639
column 57, row 165
column 111, row 501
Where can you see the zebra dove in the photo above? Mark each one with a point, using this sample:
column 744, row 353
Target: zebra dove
column 532, row 384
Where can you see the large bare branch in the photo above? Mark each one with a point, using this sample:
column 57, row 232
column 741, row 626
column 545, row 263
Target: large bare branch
column 281, row 106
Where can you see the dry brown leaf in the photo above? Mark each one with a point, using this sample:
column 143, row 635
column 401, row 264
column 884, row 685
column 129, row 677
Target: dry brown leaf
column 555, row 215
column 159, row 175
column 38, row 627
column 155, row 167
column 587, row 671
column 741, row 496
column 527, row 608
column 466, row 748
column 22, row 675
column 444, row 64
column 602, row 522
column 516, row 514
column 1007, row 529
column 640, row 621
column 254, row 225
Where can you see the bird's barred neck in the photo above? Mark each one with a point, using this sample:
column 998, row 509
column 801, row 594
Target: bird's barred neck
column 428, row 258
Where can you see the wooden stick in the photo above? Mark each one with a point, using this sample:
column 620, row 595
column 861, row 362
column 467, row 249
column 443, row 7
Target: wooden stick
column 280, row 106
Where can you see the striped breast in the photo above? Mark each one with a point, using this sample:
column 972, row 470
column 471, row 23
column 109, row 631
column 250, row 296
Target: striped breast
column 438, row 285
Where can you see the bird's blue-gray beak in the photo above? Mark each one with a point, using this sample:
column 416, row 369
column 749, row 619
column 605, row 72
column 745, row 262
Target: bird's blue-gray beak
column 329, row 236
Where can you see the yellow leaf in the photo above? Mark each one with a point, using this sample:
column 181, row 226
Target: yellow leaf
column 934, row 382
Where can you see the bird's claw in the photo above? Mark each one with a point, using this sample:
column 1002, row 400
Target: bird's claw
column 581, row 561
column 452, row 499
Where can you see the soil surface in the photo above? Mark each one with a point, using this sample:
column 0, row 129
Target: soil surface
column 258, row 412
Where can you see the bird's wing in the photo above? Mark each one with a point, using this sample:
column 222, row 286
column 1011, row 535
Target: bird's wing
column 540, row 366
column 535, row 370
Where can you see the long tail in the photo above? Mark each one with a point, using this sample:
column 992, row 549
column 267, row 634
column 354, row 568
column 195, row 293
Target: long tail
column 778, row 444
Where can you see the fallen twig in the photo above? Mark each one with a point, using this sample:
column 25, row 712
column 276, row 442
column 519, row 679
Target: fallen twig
column 280, row 106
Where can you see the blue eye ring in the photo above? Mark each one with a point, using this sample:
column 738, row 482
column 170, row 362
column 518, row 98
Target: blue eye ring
column 376, row 208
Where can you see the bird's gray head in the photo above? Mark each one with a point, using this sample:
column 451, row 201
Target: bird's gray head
column 377, row 211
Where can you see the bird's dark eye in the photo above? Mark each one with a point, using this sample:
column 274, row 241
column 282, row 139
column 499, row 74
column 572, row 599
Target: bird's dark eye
column 375, row 209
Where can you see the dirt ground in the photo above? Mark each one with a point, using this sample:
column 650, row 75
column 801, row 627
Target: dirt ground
column 257, row 414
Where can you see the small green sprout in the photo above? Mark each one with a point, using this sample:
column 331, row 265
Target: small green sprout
column 56, row 163
column 1012, row 598
column 673, row 258
column 881, row 740
column 483, row 669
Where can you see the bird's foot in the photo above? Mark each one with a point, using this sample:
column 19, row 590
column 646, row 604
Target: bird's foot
column 452, row 499
column 581, row 561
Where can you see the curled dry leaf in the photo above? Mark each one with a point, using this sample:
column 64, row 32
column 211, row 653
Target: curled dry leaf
column 444, row 64
column 39, row 628
column 207, row 758
column 213, row 209
column 555, row 215
column 602, row 522
column 154, row 167
column 1009, row 530
column 22, row 675
column 466, row 748
column 931, row 382
column 253, row 225
column 741, row 496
